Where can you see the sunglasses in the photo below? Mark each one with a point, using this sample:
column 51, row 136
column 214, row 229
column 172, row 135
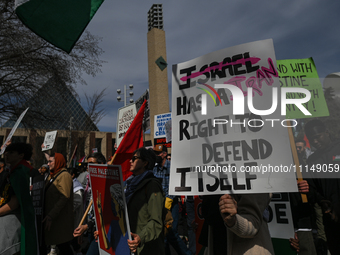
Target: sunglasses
column 134, row 158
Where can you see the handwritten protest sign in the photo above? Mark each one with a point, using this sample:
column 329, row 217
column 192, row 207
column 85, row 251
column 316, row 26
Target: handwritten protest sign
column 126, row 115
column 280, row 217
column 110, row 209
column 159, row 124
column 49, row 140
column 216, row 151
column 302, row 73
column 139, row 102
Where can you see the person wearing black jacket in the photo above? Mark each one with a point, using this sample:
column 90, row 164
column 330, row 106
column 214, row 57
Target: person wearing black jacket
column 325, row 189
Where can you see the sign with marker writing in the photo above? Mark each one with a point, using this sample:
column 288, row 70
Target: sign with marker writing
column 301, row 73
column 159, row 124
column 49, row 140
column 280, row 217
column 216, row 151
column 126, row 115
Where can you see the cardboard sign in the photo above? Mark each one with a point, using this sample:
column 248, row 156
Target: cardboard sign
column 302, row 73
column 110, row 209
column 139, row 102
column 280, row 217
column 37, row 195
column 216, row 151
column 159, row 124
column 126, row 115
column 49, row 140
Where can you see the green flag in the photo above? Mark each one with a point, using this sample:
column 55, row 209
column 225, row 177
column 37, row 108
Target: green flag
column 60, row 22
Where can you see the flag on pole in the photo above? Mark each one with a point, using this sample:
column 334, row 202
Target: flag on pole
column 132, row 140
column 60, row 22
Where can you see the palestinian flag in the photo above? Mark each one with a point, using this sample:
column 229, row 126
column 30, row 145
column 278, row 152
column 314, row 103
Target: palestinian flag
column 60, row 22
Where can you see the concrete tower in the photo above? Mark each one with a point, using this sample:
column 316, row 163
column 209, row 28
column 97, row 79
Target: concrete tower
column 157, row 66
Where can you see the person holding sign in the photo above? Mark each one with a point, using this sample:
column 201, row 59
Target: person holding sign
column 145, row 203
column 247, row 230
column 323, row 166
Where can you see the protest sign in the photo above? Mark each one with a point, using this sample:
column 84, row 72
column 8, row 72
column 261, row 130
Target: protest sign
column 110, row 209
column 139, row 102
column 280, row 217
column 218, row 151
column 37, row 194
column 126, row 115
column 49, row 140
column 9, row 137
column 302, row 73
column 168, row 130
column 159, row 124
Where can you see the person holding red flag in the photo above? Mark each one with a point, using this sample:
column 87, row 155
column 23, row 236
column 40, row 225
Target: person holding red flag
column 132, row 140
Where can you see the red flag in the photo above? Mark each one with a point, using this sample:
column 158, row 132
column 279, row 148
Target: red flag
column 132, row 140
column 307, row 141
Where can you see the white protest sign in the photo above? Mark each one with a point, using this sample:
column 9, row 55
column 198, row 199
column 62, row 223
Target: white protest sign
column 126, row 115
column 12, row 131
column 168, row 131
column 49, row 140
column 280, row 217
column 139, row 102
column 215, row 151
column 159, row 124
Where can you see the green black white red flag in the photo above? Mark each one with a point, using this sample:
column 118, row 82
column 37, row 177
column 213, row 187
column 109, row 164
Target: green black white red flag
column 60, row 22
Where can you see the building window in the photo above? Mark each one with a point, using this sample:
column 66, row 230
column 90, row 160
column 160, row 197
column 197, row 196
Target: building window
column 98, row 144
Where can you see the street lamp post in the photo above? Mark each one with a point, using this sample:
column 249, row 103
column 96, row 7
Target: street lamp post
column 125, row 95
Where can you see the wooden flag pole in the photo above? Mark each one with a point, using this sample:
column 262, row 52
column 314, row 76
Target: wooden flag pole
column 86, row 212
column 296, row 159
column 74, row 152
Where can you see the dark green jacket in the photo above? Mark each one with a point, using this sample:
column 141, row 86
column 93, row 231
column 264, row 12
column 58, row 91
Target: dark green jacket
column 19, row 179
column 145, row 209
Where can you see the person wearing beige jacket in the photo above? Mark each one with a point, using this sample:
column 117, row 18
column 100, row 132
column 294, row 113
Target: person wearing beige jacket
column 247, row 230
column 58, row 208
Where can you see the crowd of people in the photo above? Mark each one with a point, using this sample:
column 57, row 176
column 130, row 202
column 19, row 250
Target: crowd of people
column 234, row 224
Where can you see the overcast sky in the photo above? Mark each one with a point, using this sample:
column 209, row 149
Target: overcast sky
column 299, row 29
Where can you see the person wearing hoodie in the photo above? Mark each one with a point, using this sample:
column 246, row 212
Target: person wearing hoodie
column 58, row 206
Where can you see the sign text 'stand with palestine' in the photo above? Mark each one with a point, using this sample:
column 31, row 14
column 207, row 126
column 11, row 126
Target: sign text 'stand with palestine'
column 215, row 151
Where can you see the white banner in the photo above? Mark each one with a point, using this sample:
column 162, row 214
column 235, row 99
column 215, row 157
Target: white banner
column 9, row 137
column 220, row 148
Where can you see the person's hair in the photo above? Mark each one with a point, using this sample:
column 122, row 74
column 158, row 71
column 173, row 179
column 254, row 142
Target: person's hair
column 146, row 155
column 314, row 127
column 21, row 148
column 300, row 141
column 98, row 156
column 73, row 171
column 2, row 160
